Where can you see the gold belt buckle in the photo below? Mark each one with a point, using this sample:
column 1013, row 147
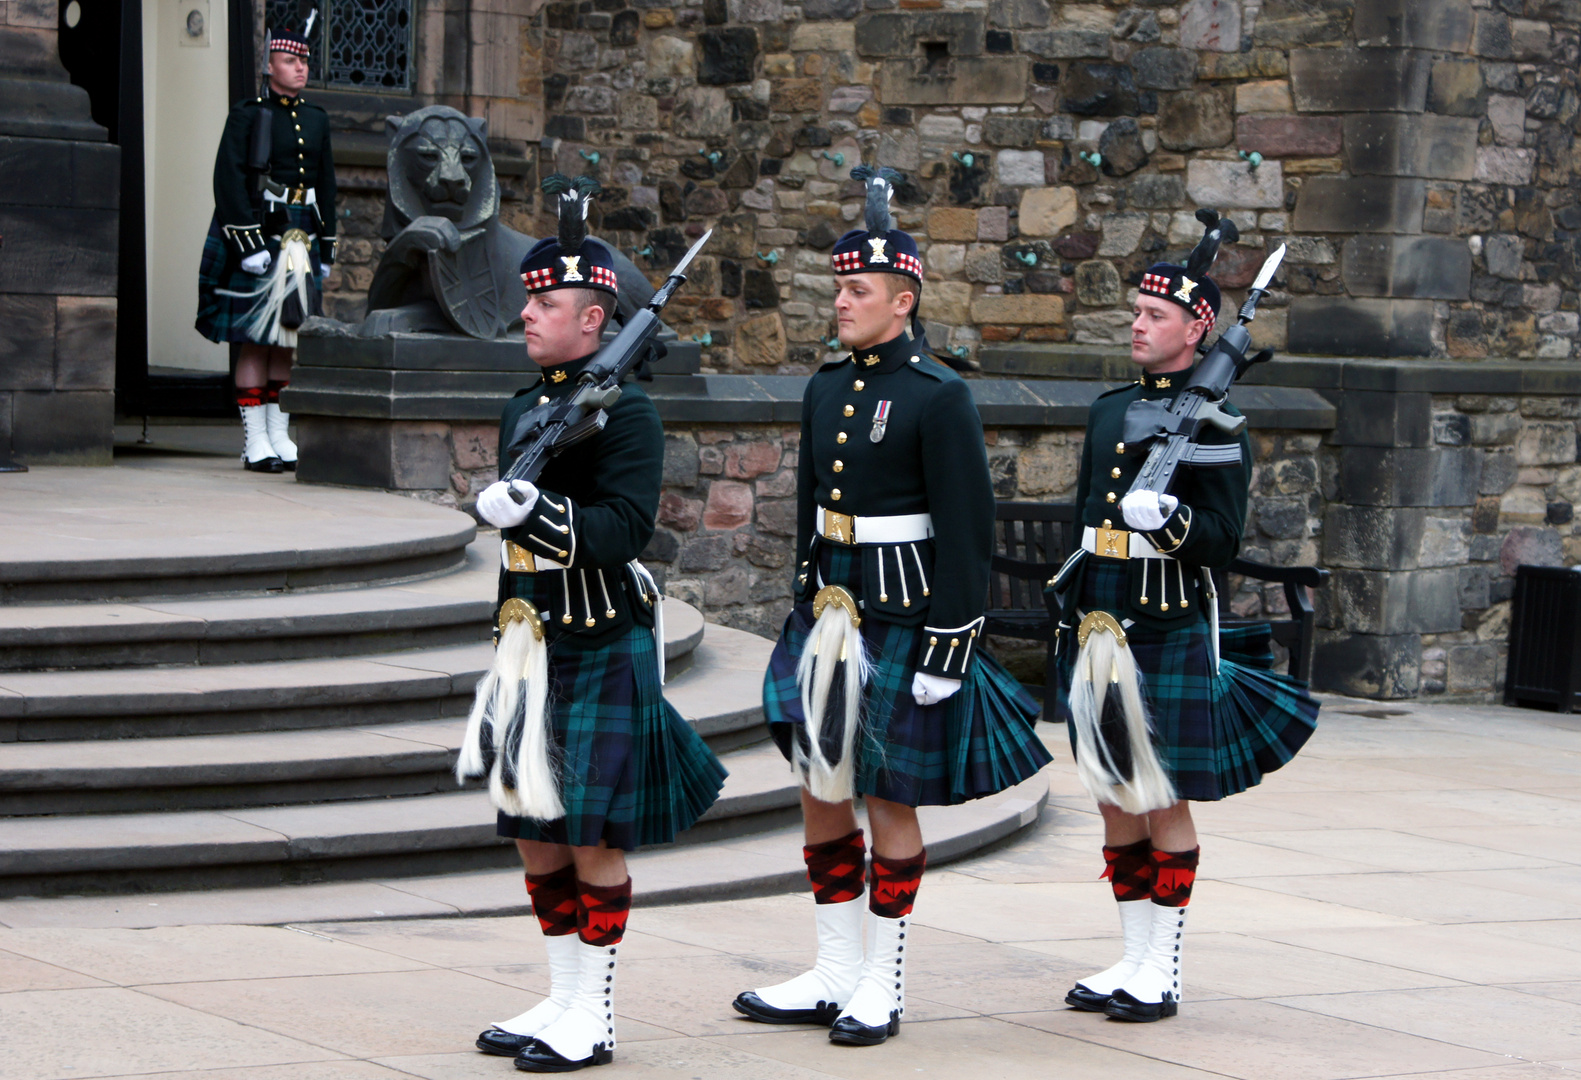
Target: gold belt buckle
column 841, row 528
column 1112, row 543
column 519, row 559
column 298, row 196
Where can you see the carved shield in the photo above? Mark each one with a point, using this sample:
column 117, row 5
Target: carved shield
column 464, row 286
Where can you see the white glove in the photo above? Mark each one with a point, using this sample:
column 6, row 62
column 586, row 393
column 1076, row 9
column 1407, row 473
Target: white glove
column 1147, row 510
column 257, row 263
column 930, row 689
column 496, row 506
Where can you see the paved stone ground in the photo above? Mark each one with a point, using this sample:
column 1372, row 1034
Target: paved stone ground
column 1400, row 901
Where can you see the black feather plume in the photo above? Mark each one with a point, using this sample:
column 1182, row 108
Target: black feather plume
column 880, row 188
column 1216, row 230
column 574, row 199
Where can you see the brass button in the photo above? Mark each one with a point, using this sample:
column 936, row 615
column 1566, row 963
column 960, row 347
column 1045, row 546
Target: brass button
column 840, row 438
column 1115, row 472
column 300, row 142
column 1111, row 496
column 850, row 410
column 839, row 466
column 543, row 399
column 1119, row 448
column 299, row 127
column 835, row 494
column 858, row 385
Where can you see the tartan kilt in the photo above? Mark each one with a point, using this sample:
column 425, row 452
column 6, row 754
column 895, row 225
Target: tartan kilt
column 1216, row 735
column 632, row 771
column 975, row 743
column 222, row 314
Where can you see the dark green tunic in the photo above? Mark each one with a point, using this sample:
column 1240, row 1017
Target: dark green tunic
column 930, row 459
column 597, row 513
column 299, row 157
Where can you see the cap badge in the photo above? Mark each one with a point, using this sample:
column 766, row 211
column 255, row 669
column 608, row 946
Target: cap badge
column 1186, row 286
column 571, row 272
column 878, row 255
column 880, row 422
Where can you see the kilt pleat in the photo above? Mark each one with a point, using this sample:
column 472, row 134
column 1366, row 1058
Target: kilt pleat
column 224, row 304
column 1216, row 734
column 975, row 743
column 632, row 772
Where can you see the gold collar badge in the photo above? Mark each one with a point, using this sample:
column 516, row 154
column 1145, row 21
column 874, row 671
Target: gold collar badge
column 556, row 375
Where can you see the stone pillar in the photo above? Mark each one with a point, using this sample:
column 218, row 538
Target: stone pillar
column 58, row 239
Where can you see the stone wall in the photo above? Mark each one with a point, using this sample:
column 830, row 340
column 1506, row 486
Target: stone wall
column 1416, row 157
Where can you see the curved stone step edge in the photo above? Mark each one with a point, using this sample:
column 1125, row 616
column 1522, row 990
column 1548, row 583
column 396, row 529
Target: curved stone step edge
column 764, row 864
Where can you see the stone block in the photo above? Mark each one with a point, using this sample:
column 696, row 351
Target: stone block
column 1382, row 418
column 1160, row 68
column 1067, row 43
column 945, row 260
column 1021, row 168
column 1421, row 267
column 1023, row 310
column 726, row 56
column 27, row 342
column 1373, row 538
column 796, row 95
column 1018, row 14
column 1531, row 545
column 1441, row 26
column 1100, row 90
column 1196, row 120
column 1256, row 64
column 1102, row 328
column 1433, row 147
column 950, row 302
column 1359, row 80
column 1337, row 326
column 1122, row 148
column 897, row 33
column 993, row 223
column 1264, row 96
column 1379, row 666
column 1281, row 136
column 1047, row 211
column 1122, row 233
column 1455, row 88
column 1157, row 191
column 1472, row 669
column 1405, row 476
column 830, row 9
column 1212, row 25
column 702, row 112
column 58, row 250
column 1359, row 204
column 74, row 427
column 760, row 341
column 1231, row 185
column 1546, row 443
column 822, row 37
column 1098, row 284
column 1398, row 602
column 952, row 223
column 970, row 80
column 1504, row 165
column 85, row 343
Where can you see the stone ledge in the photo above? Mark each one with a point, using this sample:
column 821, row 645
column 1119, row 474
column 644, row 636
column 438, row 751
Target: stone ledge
column 1055, row 361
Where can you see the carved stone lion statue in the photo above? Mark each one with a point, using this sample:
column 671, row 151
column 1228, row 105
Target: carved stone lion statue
column 449, row 266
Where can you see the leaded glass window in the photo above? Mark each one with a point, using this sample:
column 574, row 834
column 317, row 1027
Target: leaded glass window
column 357, row 44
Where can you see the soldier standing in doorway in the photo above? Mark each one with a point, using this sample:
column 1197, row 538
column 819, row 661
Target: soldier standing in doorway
column 880, row 685
column 270, row 244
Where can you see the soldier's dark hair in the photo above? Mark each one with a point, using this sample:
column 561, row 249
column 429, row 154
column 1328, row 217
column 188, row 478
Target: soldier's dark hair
column 895, row 284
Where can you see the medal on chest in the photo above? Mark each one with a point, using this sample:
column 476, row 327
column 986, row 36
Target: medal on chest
column 880, row 422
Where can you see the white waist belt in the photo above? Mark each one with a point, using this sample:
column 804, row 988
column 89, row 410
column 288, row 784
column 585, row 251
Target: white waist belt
column 1119, row 544
column 310, row 199
column 893, row 529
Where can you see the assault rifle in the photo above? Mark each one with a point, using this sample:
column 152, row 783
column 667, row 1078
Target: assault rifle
column 547, row 430
column 1201, row 401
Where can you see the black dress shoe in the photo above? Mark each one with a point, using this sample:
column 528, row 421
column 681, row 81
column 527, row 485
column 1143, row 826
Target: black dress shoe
column 1123, row 1006
column 287, row 466
column 1087, row 1000
column 753, row 1007
column 268, row 465
column 540, row 1057
column 502, row 1043
column 848, row 1031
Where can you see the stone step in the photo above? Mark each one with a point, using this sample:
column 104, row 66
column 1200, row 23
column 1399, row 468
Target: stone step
column 126, row 533
column 719, row 692
column 448, row 609
column 435, row 831
column 404, row 839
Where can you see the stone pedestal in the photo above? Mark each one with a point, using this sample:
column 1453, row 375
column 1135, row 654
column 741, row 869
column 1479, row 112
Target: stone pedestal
column 59, row 215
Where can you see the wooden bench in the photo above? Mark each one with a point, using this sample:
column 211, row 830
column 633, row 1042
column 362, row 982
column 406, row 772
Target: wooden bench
column 1032, row 540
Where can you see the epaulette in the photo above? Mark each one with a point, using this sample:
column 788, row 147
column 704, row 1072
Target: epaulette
column 831, row 365
column 924, row 364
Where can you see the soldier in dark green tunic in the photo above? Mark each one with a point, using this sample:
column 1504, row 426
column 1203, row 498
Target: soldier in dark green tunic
column 270, row 243
column 1163, row 710
column 586, row 760
column 879, row 685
